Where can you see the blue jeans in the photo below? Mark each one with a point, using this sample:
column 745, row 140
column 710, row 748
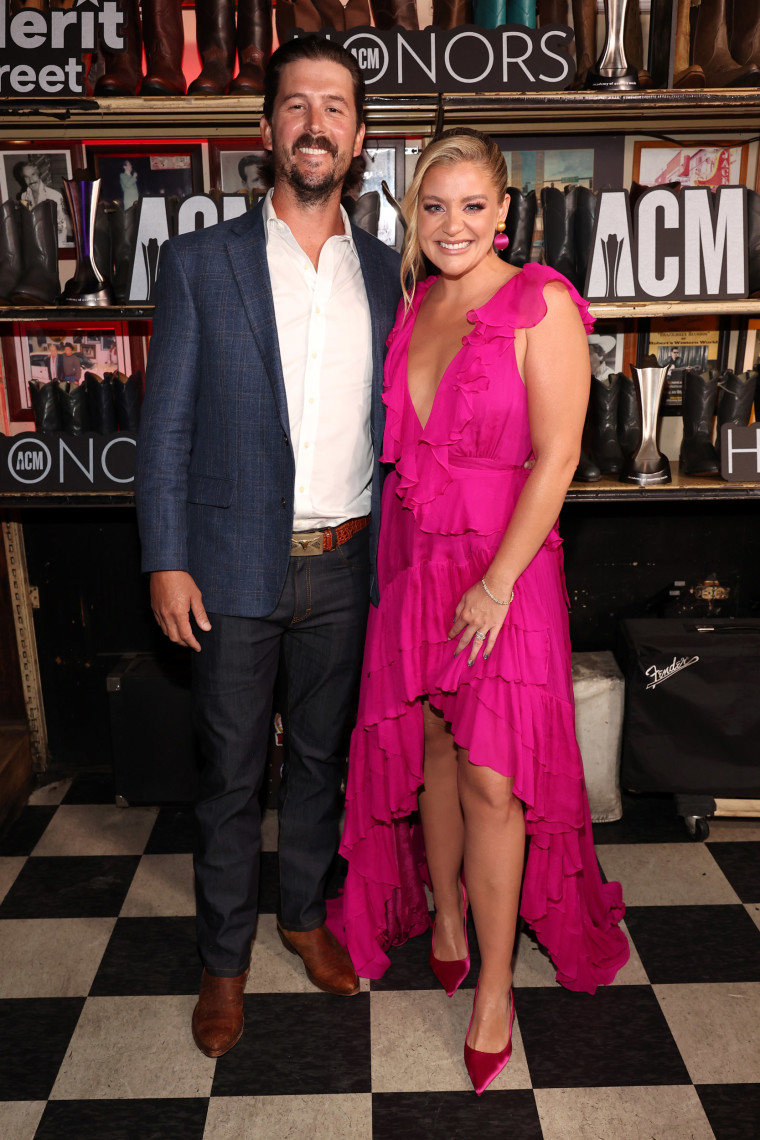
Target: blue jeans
column 315, row 636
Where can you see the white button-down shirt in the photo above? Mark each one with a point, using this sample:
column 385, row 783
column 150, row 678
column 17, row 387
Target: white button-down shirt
column 325, row 337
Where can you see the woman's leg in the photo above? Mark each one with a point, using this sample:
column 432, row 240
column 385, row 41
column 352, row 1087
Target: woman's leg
column 494, row 851
column 443, row 829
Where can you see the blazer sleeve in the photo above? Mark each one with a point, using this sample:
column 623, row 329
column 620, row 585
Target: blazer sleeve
column 167, row 421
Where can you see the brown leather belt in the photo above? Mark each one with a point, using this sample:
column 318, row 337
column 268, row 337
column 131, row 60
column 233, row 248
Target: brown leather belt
column 306, row 543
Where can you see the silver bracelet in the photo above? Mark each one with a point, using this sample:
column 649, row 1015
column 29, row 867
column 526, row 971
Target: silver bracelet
column 493, row 599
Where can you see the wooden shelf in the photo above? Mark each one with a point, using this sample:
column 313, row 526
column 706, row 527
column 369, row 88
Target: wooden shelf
column 683, row 487
column 562, row 112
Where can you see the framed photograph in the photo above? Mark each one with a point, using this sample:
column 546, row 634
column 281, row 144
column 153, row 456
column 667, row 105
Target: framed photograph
column 174, row 170
column 239, row 166
column 33, row 173
column 605, row 349
column 681, row 343
column 694, row 163
column 577, row 160
column 65, row 351
column 384, row 162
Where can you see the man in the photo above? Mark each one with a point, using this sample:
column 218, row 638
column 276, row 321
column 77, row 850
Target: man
column 249, row 169
column 36, row 191
column 54, row 363
column 257, row 466
column 72, row 365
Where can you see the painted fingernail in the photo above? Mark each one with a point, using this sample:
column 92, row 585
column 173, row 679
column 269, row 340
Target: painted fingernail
column 470, row 664
column 485, row 656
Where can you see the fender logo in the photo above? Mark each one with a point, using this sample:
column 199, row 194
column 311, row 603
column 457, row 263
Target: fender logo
column 660, row 675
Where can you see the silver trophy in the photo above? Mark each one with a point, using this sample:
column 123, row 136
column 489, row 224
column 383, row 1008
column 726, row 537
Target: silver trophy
column 612, row 71
column 648, row 466
column 87, row 286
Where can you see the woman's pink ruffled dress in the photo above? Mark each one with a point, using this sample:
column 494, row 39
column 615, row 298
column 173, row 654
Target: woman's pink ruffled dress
column 445, row 509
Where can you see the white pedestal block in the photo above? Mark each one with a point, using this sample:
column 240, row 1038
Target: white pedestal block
column 599, row 690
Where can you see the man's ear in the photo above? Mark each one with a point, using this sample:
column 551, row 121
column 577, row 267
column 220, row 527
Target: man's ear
column 266, row 133
column 359, row 140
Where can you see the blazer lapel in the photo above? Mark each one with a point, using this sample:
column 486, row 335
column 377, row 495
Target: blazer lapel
column 246, row 248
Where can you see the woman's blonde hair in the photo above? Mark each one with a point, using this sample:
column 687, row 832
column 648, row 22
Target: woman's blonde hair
column 459, row 145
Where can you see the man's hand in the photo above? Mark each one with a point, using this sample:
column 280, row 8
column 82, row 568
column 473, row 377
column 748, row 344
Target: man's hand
column 173, row 595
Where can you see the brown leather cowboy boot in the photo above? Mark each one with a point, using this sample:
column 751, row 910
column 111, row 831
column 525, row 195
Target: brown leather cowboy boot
column 254, row 46
column 218, row 1015
column 123, row 69
column 215, row 35
column 685, row 73
column 711, row 49
column 552, row 12
column 164, row 40
column 452, row 13
column 395, row 14
column 745, row 34
column 584, row 22
column 328, row 965
column 633, row 42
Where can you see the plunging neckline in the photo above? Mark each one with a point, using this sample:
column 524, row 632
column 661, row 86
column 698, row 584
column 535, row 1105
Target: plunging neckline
column 458, row 352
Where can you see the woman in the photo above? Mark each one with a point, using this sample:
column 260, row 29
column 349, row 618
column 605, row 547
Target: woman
column 128, row 184
column 466, row 707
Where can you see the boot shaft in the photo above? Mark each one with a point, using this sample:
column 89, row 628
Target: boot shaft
column 700, row 392
column 11, row 261
column 39, row 249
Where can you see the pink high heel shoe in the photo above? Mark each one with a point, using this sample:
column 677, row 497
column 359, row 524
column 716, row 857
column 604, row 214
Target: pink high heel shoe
column 485, row 1067
column 452, row 974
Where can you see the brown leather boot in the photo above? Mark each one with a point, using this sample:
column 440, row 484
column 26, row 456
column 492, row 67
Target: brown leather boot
column 254, row 46
column 215, row 35
column 711, row 49
column 291, row 14
column 328, row 965
column 164, row 40
column 123, row 69
column 452, row 13
column 584, row 22
column 745, row 34
column 633, row 42
column 552, row 12
column 685, row 73
column 218, row 1015
column 395, row 14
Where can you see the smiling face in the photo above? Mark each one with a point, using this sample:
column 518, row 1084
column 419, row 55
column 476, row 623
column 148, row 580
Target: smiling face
column 457, row 212
column 30, row 174
column 313, row 134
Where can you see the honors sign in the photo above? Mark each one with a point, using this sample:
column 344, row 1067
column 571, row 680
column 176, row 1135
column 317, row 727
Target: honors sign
column 397, row 61
column 53, row 461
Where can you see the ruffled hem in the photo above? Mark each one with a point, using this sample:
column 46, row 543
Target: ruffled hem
column 503, row 714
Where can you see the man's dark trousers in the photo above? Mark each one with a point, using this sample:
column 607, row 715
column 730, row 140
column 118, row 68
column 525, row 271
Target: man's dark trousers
column 316, row 635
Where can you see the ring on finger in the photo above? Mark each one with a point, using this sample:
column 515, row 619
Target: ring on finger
column 480, row 636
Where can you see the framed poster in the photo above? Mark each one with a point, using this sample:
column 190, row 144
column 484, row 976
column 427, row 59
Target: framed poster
column 33, row 173
column 240, row 166
column 173, row 170
column 693, row 163
column 681, row 343
column 605, row 349
column 32, row 351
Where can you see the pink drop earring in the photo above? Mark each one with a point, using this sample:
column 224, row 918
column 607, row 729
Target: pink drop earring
column 501, row 241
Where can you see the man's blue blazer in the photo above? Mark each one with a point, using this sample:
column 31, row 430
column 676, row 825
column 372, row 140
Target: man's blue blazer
column 215, row 476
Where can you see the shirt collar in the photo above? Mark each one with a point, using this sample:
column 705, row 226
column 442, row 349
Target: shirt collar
column 272, row 223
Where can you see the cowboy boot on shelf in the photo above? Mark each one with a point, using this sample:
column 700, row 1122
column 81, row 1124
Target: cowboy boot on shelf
column 559, row 231
column 72, row 403
column 215, row 36
column 583, row 224
column 521, row 220
column 634, row 43
column 44, row 397
column 629, row 416
column 11, row 262
column 604, row 424
column 552, row 12
column 711, row 49
column 101, row 402
column 494, row 13
column 685, row 73
column 254, row 45
column 126, row 392
column 123, row 69
column 164, row 39
column 452, row 13
column 39, row 283
column 123, row 232
column 395, row 14
column 584, row 22
column 736, row 392
column 698, row 456
column 745, row 32
column 586, row 471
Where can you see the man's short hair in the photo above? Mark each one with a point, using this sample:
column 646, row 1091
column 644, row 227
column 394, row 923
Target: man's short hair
column 246, row 161
column 313, row 48
column 71, row 346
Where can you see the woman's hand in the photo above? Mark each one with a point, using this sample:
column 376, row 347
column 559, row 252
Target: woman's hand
column 477, row 614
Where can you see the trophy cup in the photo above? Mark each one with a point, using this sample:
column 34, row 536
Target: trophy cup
column 611, row 71
column 648, row 466
column 87, row 286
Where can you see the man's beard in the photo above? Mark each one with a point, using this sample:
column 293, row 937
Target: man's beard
column 311, row 190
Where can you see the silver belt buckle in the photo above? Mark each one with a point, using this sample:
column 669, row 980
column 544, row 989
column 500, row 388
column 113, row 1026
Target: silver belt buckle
column 306, row 544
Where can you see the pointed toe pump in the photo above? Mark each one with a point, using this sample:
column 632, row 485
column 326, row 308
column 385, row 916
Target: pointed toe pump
column 485, row 1067
column 452, row 974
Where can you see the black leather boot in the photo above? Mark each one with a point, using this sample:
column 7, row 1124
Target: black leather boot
column 753, row 242
column 736, row 392
column 585, row 215
column 559, row 231
column 126, row 392
column 72, row 401
column 254, row 46
column 215, row 34
column 586, row 471
column 604, row 421
column 164, row 38
column 123, row 227
column 39, row 283
column 11, row 264
column 100, row 402
column 629, row 415
column 698, row 456
column 521, row 221
column 123, row 69
column 44, row 397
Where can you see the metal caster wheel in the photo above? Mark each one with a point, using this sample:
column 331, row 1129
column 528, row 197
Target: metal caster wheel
column 698, row 827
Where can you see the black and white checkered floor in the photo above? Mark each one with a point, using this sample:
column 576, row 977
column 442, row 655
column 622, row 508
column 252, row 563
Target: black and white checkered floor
column 98, row 978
